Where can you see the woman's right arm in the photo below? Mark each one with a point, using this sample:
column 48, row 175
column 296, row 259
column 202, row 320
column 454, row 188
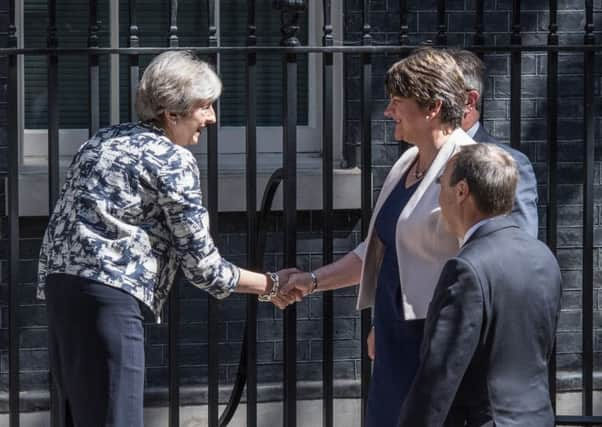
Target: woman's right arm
column 180, row 199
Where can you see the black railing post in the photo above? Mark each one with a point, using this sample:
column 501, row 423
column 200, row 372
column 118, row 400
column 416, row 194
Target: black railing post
column 479, row 38
column 133, row 60
column 53, row 158
column 327, row 206
column 173, row 322
column 552, row 129
column 213, row 313
column 404, row 38
column 290, row 26
column 252, row 234
column 588, row 212
column 366, row 187
column 93, row 70
column 172, row 34
column 13, row 222
column 515, row 77
column 53, row 108
column 441, row 23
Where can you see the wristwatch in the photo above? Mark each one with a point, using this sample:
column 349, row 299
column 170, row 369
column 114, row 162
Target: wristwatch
column 314, row 282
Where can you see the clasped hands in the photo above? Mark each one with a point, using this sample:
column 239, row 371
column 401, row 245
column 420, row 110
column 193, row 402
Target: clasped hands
column 294, row 286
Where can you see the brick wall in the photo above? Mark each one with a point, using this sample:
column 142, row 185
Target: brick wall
column 385, row 24
column 193, row 303
column 422, row 22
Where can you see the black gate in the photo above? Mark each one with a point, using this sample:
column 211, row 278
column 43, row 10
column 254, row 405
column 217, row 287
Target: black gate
column 291, row 50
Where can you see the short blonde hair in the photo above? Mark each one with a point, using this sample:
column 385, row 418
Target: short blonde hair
column 429, row 75
column 175, row 81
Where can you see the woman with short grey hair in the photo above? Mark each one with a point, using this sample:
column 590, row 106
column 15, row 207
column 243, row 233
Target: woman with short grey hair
column 174, row 82
column 129, row 216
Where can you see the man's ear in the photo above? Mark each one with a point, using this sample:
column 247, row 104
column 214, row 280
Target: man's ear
column 472, row 100
column 462, row 191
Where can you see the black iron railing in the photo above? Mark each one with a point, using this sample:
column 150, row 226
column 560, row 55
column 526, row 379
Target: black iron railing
column 291, row 50
column 366, row 190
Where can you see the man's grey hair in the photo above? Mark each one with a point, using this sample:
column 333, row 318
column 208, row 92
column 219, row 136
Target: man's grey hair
column 491, row 175
column 472, row 68
column 175, row 81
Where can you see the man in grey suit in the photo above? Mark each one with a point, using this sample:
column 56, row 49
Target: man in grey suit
column 525, row 209
column 490, row 327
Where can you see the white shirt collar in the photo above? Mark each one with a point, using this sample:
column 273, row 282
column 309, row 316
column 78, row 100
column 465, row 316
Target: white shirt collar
column 473, row 130
column 472, row 230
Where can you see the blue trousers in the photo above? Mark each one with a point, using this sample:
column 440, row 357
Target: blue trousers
column 96, row 351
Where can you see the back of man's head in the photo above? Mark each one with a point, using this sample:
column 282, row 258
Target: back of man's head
column 472, row 68
column 491, row 175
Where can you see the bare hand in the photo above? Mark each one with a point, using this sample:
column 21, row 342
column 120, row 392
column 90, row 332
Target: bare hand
column 285, row 274
column 282, row 300
column 298, row 284
column 370, row 344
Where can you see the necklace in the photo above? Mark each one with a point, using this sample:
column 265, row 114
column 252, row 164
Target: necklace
column 418, row 174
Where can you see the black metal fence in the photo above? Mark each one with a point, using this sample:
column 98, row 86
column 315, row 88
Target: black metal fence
column 291, row 50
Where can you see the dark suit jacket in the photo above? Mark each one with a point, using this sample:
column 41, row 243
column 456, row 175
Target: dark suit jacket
column 524, row 211
column 488, row 335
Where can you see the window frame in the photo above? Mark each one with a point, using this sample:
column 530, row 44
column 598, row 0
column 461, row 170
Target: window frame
column 232, row 138
column 33, row 143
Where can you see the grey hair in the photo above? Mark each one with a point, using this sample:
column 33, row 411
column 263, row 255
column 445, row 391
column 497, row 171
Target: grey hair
column 175, row 81
column 472, row 68
column 491, row 175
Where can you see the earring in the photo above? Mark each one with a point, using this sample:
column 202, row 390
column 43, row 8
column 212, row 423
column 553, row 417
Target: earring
column 428, row 117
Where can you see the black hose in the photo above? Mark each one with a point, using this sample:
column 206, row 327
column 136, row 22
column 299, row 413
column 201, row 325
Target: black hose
column 241, row 375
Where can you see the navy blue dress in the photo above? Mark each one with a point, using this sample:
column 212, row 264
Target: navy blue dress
column 397, row 340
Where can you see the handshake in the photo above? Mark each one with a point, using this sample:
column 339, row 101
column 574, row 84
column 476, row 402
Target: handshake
column 288, row 286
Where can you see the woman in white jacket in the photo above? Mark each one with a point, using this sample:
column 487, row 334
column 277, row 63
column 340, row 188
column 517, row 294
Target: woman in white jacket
column 399, row 263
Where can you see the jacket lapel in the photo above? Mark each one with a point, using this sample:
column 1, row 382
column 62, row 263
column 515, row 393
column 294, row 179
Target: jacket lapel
column 457, row 138
column 397, row 171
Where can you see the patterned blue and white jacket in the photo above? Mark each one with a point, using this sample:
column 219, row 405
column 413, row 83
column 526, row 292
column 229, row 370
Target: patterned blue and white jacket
column 130, row 213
